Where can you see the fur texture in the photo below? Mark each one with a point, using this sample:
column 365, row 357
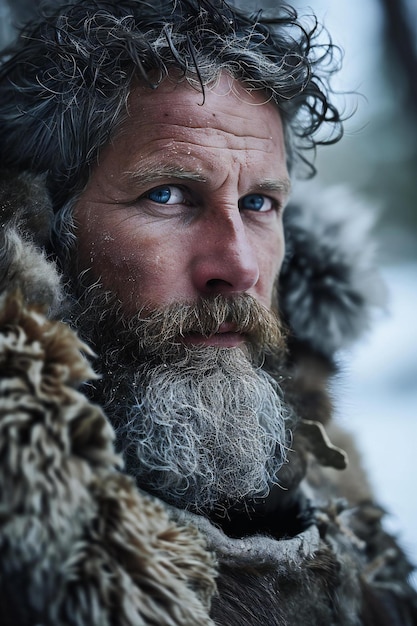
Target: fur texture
column 26, row 217
column 328, row 291
column 79, row 544
column 329, row 284
column 344, row 570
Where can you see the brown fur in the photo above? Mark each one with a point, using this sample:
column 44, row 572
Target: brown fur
column 351, row 484
column 25, row 216
column 303, row 592
column 79, row 544
column 355, row 576
column 25, row 203
column 306, row 382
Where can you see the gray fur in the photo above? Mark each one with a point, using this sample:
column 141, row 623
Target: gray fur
column 26, row 216
column 25, row 267
column 329, row 285
column 25, row 203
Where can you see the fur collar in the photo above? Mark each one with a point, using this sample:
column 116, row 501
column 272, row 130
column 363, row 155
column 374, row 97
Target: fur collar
column 329, row 283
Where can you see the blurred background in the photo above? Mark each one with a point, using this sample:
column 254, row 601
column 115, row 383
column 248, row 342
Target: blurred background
column 376, row 393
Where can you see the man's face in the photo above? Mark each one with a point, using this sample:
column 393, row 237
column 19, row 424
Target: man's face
column 181, row 222
column 187, row 201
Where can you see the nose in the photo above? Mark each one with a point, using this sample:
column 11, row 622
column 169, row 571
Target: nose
column 225, row 262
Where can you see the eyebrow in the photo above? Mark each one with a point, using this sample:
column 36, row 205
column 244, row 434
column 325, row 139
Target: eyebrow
column 283, row 185
column 151, row 176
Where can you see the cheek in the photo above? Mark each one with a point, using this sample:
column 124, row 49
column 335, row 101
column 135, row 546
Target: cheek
column 141, row 271
column 134, row 271
column 270, row 257
column 139, row 263
column 115, row 259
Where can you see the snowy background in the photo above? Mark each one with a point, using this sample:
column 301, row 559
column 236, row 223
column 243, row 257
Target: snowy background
column 377, row 398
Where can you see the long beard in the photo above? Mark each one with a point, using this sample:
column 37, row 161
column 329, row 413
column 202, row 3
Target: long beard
column 201, row 427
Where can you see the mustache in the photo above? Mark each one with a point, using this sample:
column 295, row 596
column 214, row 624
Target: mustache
column 170, row 324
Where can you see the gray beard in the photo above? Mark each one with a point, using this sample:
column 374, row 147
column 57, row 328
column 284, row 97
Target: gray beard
column 206, row 429
column 200, row 427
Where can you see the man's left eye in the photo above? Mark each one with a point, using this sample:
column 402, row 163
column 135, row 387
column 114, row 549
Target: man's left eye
column 256, row 202
column 166, row 194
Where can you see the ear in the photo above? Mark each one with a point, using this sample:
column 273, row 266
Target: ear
column 329, row 283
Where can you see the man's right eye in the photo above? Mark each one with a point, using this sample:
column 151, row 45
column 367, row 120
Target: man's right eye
column 166, row 194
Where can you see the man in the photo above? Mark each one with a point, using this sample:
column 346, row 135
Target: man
column 168, row 135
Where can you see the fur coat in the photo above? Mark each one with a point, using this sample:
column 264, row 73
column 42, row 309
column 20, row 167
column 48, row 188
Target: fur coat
column 81, row 545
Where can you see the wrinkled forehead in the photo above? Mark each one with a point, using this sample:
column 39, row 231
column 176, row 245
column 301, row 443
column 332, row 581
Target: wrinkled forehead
column 225, row 103
column 176, row 126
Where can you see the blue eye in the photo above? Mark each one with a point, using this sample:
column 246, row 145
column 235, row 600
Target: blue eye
column 167, row 194
column 160, row 195
column 255, row 202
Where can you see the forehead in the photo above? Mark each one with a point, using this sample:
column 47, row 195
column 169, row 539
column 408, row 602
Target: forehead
column 226, row 113
column 172, row 98
column 228, row 131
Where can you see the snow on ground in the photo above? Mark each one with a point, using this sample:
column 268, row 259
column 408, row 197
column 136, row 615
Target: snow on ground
column 377, row 400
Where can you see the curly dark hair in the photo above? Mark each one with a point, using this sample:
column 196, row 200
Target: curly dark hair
column 65, row 82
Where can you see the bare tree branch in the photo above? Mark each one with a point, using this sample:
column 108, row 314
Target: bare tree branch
column 401, row 39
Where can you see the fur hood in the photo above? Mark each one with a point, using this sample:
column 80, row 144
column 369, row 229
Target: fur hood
column 329, row 284
column 80, row 544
